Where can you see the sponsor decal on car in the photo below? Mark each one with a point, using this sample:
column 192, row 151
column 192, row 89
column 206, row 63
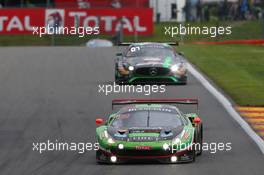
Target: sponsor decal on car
column 143, row 147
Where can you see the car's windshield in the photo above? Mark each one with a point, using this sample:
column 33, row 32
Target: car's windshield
column 159, row 52
column 147, row 119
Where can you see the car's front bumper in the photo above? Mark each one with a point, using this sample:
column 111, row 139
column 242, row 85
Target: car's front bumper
column 153, row 80
column 126, row 156
column 158, row 80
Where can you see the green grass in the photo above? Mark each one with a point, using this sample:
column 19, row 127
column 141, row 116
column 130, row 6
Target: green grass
column 240, row 30
column 237, row 69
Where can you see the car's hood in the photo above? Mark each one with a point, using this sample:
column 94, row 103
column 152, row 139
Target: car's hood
column 144, row 133
column 151, row 61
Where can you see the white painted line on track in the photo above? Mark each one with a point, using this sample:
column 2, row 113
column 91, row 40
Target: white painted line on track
column 227, row 105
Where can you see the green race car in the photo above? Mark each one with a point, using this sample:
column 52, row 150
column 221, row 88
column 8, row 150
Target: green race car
column 149, row 130
column 150, row 63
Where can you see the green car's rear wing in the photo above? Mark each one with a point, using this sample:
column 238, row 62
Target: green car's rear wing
column 184, row 101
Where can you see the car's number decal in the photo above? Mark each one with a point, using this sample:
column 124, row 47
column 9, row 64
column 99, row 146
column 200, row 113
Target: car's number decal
column 134, row 49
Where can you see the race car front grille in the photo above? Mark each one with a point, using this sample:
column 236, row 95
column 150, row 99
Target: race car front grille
column 152, row 71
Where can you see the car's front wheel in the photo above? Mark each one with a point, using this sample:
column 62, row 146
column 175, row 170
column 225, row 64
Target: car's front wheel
column 193, row 154
column 117, row 78
column 200, row 140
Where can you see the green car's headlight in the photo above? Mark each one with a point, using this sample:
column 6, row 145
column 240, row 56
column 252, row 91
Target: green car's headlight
column 105, row 135
column 131, row 68
column 166, row 146
column 177, row 139
column 178, row 69
column 175, row 68
column 110, row 141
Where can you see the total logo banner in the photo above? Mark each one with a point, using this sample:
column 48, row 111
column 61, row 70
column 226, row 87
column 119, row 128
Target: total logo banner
column 22, row 21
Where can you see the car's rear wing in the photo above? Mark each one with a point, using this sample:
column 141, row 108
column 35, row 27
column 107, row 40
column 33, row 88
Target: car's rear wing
column 176, row 43
column 184, row 101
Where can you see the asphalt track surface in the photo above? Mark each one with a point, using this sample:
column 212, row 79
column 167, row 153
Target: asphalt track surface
column 52, row 93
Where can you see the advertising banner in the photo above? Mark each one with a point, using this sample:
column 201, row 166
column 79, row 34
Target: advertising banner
column 100, row 3
column 23, row 21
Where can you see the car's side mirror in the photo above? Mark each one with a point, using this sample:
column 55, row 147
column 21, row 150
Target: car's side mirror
column 197, row 120
column 99, row 121
column 119, row 54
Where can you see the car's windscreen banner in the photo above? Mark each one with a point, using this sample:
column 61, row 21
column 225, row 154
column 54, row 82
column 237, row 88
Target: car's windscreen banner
column 23, row 21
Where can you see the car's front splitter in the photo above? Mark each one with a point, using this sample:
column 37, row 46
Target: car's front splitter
column 184, row 156
column 167, row 80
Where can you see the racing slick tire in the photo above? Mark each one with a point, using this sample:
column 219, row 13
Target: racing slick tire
column 183, row 81
column 200, row 140
column 197, row 143
column 117, row 79
column 193, row 153
column 98, row 158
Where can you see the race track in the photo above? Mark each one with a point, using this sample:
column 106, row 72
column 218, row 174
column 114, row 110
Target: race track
column 52, row 93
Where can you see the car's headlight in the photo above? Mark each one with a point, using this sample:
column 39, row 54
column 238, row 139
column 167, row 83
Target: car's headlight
column 110, row 140
column 131, row 68
column 178, row 69
column 166, row 146
column 175, row 68
column 105, row 134
column 177, row 139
